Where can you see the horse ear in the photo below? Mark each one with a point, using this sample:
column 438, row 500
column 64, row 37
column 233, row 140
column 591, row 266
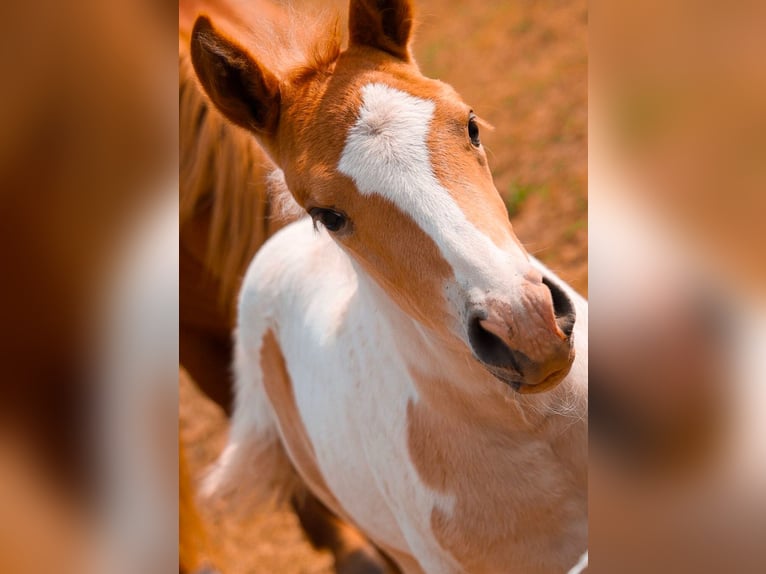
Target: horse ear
column 382, row 24
column 243, row 90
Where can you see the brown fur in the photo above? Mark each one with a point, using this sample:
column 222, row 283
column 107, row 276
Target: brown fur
column 442, row 428
column 192, row 536
column 475, row 192
column 223, row 168
column 382, row 24
column 247, row 94
column 280, row 392
column 222, row 173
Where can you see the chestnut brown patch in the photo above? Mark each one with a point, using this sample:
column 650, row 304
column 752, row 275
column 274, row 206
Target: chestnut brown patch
column 279, row 389
column 513, row 492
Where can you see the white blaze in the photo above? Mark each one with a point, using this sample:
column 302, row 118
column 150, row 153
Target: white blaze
column 386, row 154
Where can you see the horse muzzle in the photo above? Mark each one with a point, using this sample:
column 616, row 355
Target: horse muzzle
column 525, row 341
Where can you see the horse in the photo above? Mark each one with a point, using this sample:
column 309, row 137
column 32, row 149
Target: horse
column 226, row 213
column 397, row 349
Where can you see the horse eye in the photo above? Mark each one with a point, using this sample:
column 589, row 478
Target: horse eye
column 473, row 130
column 330, row 219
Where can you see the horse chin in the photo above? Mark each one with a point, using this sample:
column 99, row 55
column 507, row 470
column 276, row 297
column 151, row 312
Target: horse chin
column 519, row 385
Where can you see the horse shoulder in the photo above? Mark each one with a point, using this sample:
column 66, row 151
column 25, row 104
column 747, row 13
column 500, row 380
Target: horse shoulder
column 278, row 314
column 257, row 458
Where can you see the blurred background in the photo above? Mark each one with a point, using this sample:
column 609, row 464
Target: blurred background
column 88, row 285
column 678, row 330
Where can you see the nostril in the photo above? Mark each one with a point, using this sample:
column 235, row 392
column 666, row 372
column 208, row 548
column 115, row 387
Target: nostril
column 488, row 347
column 563, row 309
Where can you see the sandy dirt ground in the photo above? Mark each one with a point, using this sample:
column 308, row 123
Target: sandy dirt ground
column 522, row 66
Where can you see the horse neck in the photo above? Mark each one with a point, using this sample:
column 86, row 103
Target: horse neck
column 451, row 382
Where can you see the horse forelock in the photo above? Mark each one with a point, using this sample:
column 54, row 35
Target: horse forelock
column 289, row 39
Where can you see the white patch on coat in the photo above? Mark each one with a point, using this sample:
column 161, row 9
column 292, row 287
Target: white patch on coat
column 338, row 333
column 343, row 341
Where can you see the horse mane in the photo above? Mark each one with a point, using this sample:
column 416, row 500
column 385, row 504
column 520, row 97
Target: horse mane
column 221, row 171
column 222, row 167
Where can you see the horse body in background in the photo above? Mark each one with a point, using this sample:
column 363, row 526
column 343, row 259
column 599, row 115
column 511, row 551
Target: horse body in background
column 225, row 218
column 399, row 350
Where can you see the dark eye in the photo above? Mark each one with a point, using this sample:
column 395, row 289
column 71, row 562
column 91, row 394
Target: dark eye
column 473, row 130
column 332, row 220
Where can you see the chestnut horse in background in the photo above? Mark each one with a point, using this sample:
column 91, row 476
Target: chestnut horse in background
column 226, row 214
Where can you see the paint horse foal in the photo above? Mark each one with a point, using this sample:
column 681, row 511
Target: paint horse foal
column 399, row 349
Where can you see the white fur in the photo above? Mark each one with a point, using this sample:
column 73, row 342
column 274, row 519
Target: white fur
column 284, row 206
column 581, row 566
column 347, row 347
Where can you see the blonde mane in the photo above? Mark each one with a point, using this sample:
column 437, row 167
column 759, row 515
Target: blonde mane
column 223, row 170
